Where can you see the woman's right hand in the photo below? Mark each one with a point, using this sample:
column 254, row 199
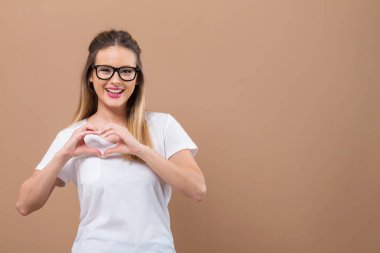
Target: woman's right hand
column 76, row 146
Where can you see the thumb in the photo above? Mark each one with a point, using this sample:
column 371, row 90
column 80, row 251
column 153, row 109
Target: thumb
column 92, row 151
column 116, row 149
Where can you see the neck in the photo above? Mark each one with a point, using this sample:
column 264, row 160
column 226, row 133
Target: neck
column 114, row 115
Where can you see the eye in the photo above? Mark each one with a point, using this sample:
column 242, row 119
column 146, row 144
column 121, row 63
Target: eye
column 126, row 71
column 104, row 70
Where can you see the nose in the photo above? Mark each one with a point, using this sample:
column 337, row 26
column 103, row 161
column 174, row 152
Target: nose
column 115, row 78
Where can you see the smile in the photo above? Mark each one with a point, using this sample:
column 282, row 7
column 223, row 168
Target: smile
column 114, row 91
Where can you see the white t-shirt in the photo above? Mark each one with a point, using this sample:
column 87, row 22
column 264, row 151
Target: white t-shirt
column 123, row 204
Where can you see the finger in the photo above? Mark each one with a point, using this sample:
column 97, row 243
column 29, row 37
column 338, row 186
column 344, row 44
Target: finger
column 111, row 132
column 92, row 151
column 85, row 127
column 85, row 150
column 105, row 130
column 113, row 126
column 89, row 126
column 87, row 132
column 109, row 151
column 82, row 134
column 120, row 128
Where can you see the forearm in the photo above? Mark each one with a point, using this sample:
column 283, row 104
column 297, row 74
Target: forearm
column 35, row 191
column 186, row 180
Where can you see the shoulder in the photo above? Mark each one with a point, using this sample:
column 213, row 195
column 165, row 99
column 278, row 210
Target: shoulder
column 157, row 118
column 65, row 133
column 160, row 122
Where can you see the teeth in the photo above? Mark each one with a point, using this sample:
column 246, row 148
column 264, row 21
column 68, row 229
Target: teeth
column 115, row 91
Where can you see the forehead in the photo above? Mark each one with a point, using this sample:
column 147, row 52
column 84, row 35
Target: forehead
column 116, row 56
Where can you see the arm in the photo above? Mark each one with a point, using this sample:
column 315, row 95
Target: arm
column 35, row 191
column 181, row 171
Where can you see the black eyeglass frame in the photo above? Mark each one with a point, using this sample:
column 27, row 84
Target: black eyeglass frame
column 137, row 69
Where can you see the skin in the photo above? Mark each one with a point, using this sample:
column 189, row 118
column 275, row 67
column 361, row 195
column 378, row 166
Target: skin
column 180, row 171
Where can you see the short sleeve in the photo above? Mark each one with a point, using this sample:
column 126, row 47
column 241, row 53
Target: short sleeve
column 66, row 172
column 176, row 138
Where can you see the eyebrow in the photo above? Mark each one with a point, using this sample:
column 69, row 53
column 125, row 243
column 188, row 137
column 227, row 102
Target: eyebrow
column 116, row 67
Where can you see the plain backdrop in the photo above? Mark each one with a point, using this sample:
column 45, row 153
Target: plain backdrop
column 282, row 98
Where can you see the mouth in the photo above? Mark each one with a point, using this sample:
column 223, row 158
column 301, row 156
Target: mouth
column 114, row 93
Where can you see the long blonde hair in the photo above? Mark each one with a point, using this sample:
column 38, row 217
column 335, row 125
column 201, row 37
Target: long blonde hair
column 88, row 101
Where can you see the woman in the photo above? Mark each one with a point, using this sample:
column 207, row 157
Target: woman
column 123, row 159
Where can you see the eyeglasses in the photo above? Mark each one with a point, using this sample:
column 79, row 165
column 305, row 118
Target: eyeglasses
column 105, row 72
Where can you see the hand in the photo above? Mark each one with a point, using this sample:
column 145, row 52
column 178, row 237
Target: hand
column 76, row 146
column 127, row 143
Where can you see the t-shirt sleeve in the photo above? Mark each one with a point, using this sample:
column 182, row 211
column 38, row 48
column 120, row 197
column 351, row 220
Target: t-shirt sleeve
column 176, row 138
column 66, row 173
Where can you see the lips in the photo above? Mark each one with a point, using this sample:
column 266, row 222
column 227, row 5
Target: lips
column 114, row 91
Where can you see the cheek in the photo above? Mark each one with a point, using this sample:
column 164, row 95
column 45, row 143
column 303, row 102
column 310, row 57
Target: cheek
column 99, row 86
column 97, row 82
column 131, row 88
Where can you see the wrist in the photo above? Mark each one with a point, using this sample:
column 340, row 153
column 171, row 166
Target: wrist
column 63, row 155
column 141, row 151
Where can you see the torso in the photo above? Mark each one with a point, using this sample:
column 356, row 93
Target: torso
column 124, row 204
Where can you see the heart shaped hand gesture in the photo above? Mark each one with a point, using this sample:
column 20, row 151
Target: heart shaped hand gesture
column 127, row 143
column 76, row 146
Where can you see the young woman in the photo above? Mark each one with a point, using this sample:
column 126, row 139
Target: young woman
column 123, row 159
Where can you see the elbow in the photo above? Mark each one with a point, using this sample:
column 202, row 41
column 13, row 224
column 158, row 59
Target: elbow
column 22, row 209
column 25, row 209
column 199, row 196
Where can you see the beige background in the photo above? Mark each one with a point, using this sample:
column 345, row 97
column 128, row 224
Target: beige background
column 282, row 98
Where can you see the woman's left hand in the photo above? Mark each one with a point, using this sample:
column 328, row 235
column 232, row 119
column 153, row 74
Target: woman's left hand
column 127, row 143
